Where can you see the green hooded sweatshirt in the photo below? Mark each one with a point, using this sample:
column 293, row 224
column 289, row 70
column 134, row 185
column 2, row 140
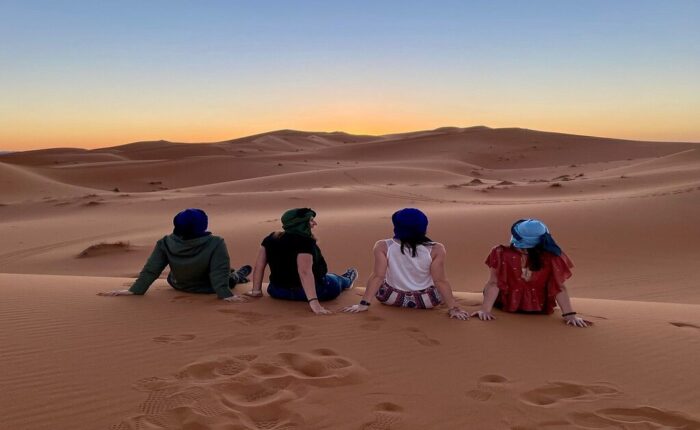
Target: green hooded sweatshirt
column 199, row 265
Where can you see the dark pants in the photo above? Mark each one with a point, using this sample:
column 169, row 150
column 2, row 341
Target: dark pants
column 173, row 283
column 327, row 289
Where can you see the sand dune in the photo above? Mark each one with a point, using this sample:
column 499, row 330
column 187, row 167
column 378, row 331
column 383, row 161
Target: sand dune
column 155, row 175
column 58, row 156
column 17, row 183
column 269, row 364
column 334, row 177
column 624, row 211
column 504, row 148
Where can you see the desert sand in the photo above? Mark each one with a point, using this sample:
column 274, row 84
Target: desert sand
column 75, row 222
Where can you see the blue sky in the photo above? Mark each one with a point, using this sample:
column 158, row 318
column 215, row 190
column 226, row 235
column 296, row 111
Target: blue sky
column 100, row 73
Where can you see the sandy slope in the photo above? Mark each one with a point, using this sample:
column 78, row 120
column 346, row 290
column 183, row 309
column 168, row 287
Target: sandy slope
column 20, row 184
column 625, row 212
column 168, row 360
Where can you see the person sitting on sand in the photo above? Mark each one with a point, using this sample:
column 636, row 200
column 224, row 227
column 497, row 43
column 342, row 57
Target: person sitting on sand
column 409, row 269
column 199, row 261
column 528, row 276
column 298, row 270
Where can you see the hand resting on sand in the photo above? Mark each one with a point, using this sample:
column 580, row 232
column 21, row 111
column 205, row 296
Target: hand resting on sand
column 484, row 316
column 318, row 309
column 575, row 321
column 458, row 313
column 116, row 293
column 354, row 309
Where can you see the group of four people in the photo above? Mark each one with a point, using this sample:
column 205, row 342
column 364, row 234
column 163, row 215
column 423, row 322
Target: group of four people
column 409, row 269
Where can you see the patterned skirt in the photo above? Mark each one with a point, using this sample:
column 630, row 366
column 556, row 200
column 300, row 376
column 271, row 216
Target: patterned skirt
column 422, row 299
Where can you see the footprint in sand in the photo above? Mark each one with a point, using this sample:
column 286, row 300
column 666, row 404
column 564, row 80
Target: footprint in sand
column 646, row 417
column 245, row 391
column 371, row 323
column 174, row 338
column 212, row 369
column 479, row 395
column 252, row 392
column 685, row 325
column 492, row 381
column 589, row 420
column 486, row 386
column 286, row 332
column 646, row 414
column 245, row 317
column 267, row 370
column 421, row 337
column 321, row 369
column 387, row 415
column 587, row 415
column 555, row 392
column 247, row 357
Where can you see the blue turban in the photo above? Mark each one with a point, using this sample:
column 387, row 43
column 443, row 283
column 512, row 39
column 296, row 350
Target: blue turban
column 529, row 233
column 409, row 223
column 191, row 223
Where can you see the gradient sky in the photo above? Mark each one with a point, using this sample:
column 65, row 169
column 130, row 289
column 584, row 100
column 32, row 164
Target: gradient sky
column 97, row 73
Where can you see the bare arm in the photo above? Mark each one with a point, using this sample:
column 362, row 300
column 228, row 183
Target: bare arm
column 259, row 273
column 490, row 296
column 154, row 266
column 439, row 275
column 306, row 275
column 564, row 302
column 376, row 279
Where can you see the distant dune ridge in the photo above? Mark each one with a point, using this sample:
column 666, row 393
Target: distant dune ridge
column 76, row 221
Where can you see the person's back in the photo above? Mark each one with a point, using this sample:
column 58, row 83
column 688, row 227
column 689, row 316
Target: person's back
column 406, row 272
column 409, row 269
column 298, row 270
column 194, row 262
column 529, row 275
column 282, row 250
column 199, row 261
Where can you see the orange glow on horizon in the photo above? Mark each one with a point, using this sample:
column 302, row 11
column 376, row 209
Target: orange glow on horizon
column 103, row 129
column 94, row 138
column 85, row 142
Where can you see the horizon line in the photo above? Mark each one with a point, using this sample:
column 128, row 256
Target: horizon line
column 282, row 130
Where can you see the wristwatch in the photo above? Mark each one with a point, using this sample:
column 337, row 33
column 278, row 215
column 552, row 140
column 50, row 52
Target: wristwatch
column 365, row 303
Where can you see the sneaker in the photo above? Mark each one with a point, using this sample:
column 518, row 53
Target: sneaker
column 351, row 274
column 244, row 271
column 240, row 276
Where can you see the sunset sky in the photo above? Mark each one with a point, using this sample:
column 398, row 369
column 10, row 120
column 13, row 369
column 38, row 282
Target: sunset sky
column 92, row 74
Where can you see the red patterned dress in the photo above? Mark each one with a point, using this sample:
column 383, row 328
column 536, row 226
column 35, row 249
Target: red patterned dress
column 520, row 294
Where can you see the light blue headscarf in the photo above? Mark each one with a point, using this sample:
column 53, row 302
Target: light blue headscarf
column 528, row 233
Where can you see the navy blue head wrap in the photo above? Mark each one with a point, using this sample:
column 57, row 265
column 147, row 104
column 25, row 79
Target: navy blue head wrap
column 190, row 224
column 409, row 223
column 529, row 233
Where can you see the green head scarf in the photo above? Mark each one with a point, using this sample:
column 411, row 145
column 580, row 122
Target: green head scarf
column 296, row 221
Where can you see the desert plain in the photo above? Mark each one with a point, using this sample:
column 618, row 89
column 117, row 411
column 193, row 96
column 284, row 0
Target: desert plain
column 75, row 222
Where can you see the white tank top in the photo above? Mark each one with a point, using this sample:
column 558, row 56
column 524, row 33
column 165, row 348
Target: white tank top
column 405, row 272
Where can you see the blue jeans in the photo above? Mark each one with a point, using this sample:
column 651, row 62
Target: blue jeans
column 327, row 289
